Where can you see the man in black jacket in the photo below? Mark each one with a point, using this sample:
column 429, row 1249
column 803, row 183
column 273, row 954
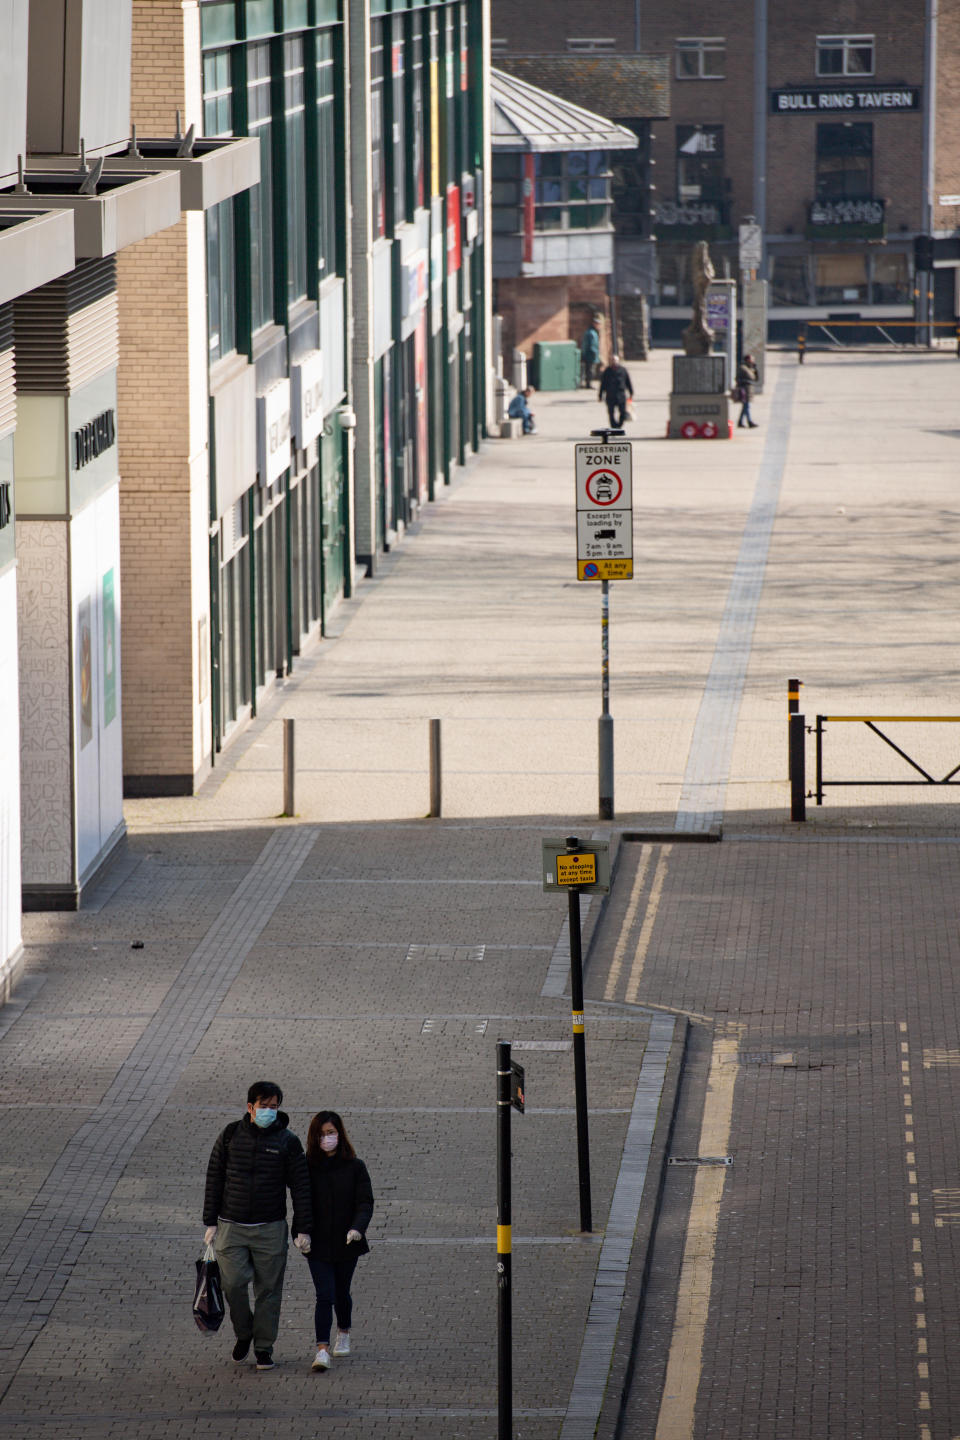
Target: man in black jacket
column 615, row 384
column 254, row 1162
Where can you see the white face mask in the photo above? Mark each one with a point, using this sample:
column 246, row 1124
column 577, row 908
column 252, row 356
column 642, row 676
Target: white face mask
column 329, row 1142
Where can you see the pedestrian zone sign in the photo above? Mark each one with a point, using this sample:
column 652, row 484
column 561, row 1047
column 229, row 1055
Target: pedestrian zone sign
column 604, row 475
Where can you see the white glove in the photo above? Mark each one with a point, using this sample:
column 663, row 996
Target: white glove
column 210, row 1234
column 353, row 1235
column 302, row 1243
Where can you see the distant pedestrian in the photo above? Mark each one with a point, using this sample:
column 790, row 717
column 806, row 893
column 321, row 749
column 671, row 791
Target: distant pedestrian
column 615, row 385
column 519, row 409
column 589, row 354
column 747, row 377
column 342, row 1206
column 254, row 1162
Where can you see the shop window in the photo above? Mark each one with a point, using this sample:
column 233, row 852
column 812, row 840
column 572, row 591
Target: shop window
column 673, row 275
column 701, row 59
column 417, row 131
column 841, row 280
column 260, row 124
column 845, row 161
column 700, row 179
column 217, row 94
column 891, row 280
column 572, row 190
column 221, row 257
column 791, row 280
column 377, row 137
column 296, row 196
column 844, row 55
column 327, row 262
column 398, row 124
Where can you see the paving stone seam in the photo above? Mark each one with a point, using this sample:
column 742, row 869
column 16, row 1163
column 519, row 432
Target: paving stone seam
column 77, row 1188
column 703, row 792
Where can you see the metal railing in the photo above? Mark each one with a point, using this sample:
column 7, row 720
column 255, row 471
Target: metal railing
column 798, row 730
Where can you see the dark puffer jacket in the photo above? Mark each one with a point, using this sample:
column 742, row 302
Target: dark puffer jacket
column 342, row 1200
column 250, row 1171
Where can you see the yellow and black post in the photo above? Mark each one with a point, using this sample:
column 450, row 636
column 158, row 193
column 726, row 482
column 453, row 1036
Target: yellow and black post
column 801, row 343
column 579, row 1048
column 796, row 752
column 504, row 1247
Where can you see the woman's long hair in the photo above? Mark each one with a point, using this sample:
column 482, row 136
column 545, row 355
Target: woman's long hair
column 315, row 1150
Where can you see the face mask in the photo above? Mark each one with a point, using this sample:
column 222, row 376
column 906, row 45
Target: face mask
column 329, row 1142
column 263, row 1118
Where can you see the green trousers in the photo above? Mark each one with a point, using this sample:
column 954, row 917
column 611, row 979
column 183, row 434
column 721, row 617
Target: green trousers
column 257, row 1255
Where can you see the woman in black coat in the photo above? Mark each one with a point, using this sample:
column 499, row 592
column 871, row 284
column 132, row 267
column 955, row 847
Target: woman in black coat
column 342, row 1207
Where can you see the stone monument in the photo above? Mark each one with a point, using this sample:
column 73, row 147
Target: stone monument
column 698, row 400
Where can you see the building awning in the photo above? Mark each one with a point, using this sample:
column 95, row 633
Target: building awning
column 526, row 118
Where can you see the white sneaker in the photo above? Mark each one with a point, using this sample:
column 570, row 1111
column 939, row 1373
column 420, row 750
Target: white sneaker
column 321, row 1360
column 342, row 1345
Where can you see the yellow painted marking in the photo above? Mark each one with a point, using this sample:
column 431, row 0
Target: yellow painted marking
column 905, row 1066
column 922, row 1346
column 914, row 1217
column 923, row 1370
column 921, row 1322
column 628, row 921
column 504, row 1239
column 646, row 929
column 936, row 1056
column 675, row 1420
column 924, row 1402
column 917, row 1295
column 909, row 1136
column 911, row 1177
column 904, row 1044
column 914, row 719
column 911, row 1158
column 914, row 1197
column 903, row 1027
column 917, row 1247
column 918, row 1271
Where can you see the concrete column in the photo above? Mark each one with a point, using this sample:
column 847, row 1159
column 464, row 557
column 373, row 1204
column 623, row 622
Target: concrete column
column 365, row 488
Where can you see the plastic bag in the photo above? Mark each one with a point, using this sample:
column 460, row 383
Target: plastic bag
column 208, row 1307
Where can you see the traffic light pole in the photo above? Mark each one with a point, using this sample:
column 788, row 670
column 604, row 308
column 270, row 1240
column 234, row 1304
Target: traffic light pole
column 579, row 1049
column 504, row 1248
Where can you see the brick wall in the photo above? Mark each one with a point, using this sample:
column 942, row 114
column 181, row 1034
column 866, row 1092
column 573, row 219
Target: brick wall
column 947, row 181
column 157, row 433
column 540, row 310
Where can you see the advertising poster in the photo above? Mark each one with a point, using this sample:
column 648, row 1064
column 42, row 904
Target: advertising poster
column 84, row 673
column 109, row 651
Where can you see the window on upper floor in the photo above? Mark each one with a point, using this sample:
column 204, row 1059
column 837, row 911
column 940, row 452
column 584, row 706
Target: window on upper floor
column 845, row 55
column 221, row 259
column 700, row 178
column 845, row 161
column 701, row 59
column 572, row 190
column 586, row 44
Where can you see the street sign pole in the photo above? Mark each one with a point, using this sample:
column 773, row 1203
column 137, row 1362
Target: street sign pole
column 504, row 1247
column 579, row 1049
column 605, row 770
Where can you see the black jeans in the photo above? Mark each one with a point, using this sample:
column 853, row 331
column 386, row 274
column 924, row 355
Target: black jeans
column 617, row 410
column 331, row 1280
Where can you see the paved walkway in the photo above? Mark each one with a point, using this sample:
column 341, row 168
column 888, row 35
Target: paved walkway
column 369, row 959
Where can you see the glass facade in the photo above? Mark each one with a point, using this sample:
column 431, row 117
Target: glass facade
column 276, row 70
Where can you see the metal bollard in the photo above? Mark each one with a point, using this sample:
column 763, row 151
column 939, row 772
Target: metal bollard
column 801, row 346
column 289, row 768
column 798, row 771
column 436, row 774
column 793, row 705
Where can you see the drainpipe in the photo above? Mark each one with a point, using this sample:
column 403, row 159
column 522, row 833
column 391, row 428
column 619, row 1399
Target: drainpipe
column 760, row 125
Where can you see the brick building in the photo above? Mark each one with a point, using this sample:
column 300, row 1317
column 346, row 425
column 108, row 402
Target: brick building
column 836, row 130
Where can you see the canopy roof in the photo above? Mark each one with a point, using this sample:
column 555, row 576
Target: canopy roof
column 527, row 118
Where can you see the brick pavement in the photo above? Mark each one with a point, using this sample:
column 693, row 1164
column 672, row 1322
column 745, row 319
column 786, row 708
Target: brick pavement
column 410, row 945
column 833, row 961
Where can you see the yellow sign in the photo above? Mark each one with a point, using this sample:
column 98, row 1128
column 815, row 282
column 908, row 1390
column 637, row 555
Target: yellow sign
column 576, row 869
column 604, row 569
